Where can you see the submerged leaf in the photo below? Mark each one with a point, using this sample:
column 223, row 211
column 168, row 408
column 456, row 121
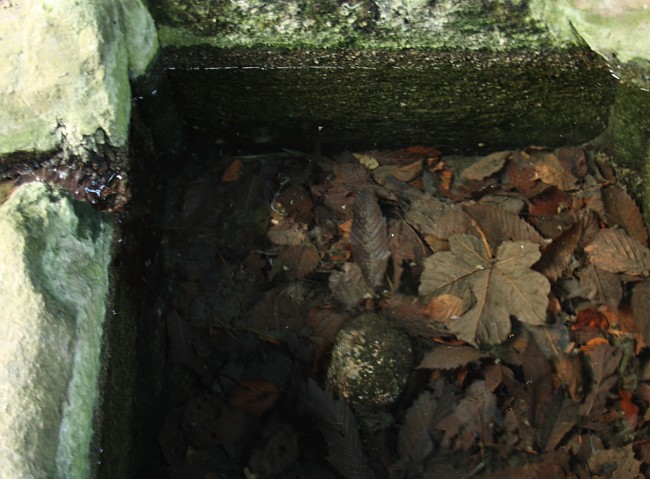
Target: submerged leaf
column 621, row 210
column 502, row 286
column 369, row 238
column 616, row 252
column 500, row 225
column 486, row 166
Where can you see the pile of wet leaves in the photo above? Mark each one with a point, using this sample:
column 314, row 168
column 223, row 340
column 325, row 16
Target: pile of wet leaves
column 406, row 314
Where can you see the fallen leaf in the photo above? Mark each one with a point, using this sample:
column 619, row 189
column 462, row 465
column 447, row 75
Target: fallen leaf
column 499, row 225
column 573, row 159
column 414, row 441
column 521, row 172
column 446, row 307
column 297, row 202
column 286, row 234
column 551, row 171
column 338, row 425
column 409, row 311
column 603, row 361
column 450, row 357
column 254, row 396
column 299, row 261
column 279, row 452
column 621, row 210
column 486, row 166
column 641, row 308
column 558, row 255
column 349, row 286
column 208, row 420
column 406, row 173
column 628, row 407
column 614, row 251
column 502, row 286
column 326, row 322
column 618, row 463
column 232, row 172
column 601, row 287
column 369, row 238
column 471, row 419
column 405, row 247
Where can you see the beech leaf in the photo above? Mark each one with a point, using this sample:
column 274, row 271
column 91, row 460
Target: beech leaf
column 501, row 225
column 486, row 166
column 614, row 251
column 369, row 238
column 502, row 286
column 622, row 210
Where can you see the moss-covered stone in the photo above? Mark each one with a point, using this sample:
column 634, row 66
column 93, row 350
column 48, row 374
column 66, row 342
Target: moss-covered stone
column 54, row 259
column 64, row 78
column 357, row 99
column 370, row 365
column 498, row 25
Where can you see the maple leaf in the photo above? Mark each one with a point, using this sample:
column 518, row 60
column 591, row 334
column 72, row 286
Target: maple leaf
column 502, row 286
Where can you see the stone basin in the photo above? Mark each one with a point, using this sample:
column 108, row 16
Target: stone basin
column 466, row 77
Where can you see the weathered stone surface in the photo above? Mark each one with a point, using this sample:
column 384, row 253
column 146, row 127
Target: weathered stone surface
column 618, row 29
column 64, row 77
column 54, row 259
column 451, row 24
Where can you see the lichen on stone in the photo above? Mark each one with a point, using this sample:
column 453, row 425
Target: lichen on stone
column 370, row 365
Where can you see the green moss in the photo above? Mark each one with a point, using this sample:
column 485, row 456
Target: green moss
column 503, row 25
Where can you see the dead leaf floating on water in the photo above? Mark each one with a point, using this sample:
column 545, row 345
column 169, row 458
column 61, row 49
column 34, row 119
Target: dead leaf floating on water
column 502, row 286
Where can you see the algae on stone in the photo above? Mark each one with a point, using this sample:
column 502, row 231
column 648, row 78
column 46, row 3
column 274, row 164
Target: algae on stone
column 498, row 25
column 54, row 259
column 64, row 78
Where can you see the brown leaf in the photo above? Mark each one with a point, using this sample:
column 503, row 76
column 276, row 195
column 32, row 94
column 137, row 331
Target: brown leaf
column 499, row 226
column 299, row 261
column 446, row 307
column 603, row 361
column 405, row 246
column 450, row 357
column 409, row 311
column 556, row 258
column 254, row 396
column 641, row 308
column 601, row 287
column 208, row 420
column 369, row 238
column 471, row 419
column 286, row 234
column 486, row 166
column 336, row 422
column 614, row 251
column 414, row 440
column 406, row 173
column 615, row 463
column 233, row 172
column 573, row 159
column 297, row 202
column 621, row 210
column 551, row 171
column 502, row 286
column 349, row 286
column 326, row 322
column 521, row 173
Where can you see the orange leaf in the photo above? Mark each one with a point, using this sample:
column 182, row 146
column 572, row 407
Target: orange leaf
column 590, row 318
column 233, row 172
column 592, row 343
column 630, row 409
